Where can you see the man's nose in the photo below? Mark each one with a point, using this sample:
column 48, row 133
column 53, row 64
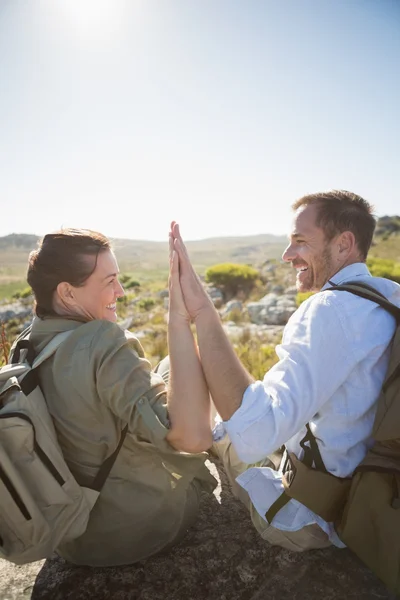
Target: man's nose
column 288, row 253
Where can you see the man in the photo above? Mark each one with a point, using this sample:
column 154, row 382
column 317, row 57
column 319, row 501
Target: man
column 333, row 358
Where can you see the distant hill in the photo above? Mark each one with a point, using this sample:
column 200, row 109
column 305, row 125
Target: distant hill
column 141, row 257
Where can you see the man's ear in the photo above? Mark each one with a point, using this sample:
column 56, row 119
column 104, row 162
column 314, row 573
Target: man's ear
column 346, row 246
column 65, row 293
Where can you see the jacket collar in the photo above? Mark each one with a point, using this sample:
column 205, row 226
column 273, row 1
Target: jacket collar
column 43, row 330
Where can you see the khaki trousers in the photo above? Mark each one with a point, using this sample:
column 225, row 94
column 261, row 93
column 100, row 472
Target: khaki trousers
column 311, row 536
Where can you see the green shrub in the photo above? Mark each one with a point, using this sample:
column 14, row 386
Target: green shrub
column 236, row 316
column 301, row 296
column 384, row 267
column 26, row 293
column 156, row 346
column 231, row 278
column 124, row 278
column 146, row 303
column 158, row 318
column 131, row 283
column 257, row 357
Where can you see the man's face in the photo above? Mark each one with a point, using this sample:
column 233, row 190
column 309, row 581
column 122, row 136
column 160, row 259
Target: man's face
column 310, row 254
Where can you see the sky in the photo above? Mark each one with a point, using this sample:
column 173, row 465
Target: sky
column 122, row 115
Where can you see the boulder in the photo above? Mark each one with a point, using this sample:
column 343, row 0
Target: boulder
column 272, row 309
column 216, row 296
column 15, row 310
column 221, row 558
column 232, row 305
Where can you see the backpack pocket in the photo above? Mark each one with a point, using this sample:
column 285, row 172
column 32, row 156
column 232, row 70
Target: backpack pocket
column 370, row 523
column 39, row 505
column 322, row 493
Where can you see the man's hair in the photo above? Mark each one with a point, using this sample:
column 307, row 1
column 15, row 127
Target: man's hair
column 63, row 256
column 339, row 211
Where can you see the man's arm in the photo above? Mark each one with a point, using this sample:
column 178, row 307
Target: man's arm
column 226, row 377
column 188, row 398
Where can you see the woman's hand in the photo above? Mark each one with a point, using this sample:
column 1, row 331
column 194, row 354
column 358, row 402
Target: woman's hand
column 177, row 307
column 194, row 296
column 187, row 398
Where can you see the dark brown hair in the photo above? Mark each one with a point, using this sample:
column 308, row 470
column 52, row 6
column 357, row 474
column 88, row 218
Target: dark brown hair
column 62, row 256
column 339, row 211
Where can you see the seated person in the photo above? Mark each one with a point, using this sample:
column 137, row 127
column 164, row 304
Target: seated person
column 98, row 382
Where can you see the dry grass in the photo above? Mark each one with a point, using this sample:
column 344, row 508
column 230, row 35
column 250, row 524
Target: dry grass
column 4, row 345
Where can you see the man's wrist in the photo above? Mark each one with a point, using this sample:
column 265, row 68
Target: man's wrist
column 207, row 315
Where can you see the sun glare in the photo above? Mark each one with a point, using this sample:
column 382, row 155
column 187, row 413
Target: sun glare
column 95, row 19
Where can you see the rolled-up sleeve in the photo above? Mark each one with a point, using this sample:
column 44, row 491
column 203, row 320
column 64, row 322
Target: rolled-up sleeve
column 314, row 361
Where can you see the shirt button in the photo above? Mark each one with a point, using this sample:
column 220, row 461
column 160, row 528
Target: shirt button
column 141, row 401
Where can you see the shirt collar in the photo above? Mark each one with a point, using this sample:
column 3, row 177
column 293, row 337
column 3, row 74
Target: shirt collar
column 349, row 273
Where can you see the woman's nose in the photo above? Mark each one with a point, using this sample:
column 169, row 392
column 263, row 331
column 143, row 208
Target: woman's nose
column 120, row 290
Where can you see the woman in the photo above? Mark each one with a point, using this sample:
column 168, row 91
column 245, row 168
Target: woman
column 98, row 382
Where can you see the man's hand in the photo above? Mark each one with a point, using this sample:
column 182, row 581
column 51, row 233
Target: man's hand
column 195, row 297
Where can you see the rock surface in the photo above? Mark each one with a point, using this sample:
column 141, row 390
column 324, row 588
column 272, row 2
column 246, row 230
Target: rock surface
column 221, row 558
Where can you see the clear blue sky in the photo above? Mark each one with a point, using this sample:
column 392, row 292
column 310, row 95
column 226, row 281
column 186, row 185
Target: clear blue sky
column 121, row 115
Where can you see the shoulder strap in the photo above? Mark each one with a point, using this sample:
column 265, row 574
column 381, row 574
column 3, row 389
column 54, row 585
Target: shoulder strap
column 366, row 291
column 108, row 464
column 51, row 347
column 23, row 343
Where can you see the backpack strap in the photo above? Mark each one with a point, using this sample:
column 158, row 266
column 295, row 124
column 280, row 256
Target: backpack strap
column 24, row 343
column 16, row 344
column 108, row 464
column 50, row 348
column 312, row 455
column 363, row 290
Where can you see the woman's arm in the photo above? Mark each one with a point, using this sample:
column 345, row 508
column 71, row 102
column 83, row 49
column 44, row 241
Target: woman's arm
column 188, row 396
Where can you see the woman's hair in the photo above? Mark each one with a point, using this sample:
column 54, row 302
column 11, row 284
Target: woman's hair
column 62, row 256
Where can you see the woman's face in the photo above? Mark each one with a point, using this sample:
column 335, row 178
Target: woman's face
column 97, row 298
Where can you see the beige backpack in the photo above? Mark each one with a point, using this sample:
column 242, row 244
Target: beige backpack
column 366, row 507
column 41, row 504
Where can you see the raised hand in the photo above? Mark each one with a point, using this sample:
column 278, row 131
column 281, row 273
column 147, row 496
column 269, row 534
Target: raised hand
column 177, row 308
column 196, row 299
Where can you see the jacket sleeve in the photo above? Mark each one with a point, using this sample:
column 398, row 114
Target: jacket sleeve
column 126, row 384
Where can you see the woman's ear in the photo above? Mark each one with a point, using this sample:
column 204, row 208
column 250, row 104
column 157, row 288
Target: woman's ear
column 65, row 293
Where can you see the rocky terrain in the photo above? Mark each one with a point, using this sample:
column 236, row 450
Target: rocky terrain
column 221, row 558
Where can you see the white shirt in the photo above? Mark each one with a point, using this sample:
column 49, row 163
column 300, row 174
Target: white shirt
column 333, row 359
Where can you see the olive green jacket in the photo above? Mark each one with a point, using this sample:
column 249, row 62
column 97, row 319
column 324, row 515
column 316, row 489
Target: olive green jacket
column 97, row 382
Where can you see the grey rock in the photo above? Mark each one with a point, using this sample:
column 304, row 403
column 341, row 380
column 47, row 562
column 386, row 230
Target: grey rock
column 272, row 309
column 278, row 289
column 265, row 333
column 216, row 296
column 236, row 305
column 221, row 558
column 15, row 310
column 291, row 291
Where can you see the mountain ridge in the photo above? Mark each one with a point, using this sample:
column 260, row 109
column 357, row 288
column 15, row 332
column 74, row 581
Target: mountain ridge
column 144, row 256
